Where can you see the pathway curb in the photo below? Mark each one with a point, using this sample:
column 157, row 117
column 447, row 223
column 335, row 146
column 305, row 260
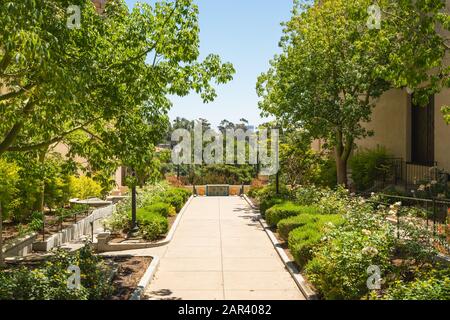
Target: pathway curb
column 106, row 247
column 290, row 265
column 146, row 279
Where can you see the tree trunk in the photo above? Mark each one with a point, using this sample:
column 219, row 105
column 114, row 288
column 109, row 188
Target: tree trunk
column 39, row 206
column 341, row 168
column 343, row 149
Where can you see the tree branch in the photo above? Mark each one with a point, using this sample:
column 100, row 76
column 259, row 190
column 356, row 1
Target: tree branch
column 11, row 136
column 147, row 51
column 47, row 143
column 14, row 94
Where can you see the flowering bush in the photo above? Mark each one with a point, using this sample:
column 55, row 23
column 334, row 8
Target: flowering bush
column 330, row 201
column 339, row 268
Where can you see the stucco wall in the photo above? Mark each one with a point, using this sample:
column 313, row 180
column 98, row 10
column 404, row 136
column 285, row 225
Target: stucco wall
column 442, row 132
column 390, row 123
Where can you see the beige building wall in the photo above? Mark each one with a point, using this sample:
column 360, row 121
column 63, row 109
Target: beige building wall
column 390, row 124
column 442, row 132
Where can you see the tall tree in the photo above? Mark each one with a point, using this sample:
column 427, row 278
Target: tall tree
column 333, row 67
column 61, row 80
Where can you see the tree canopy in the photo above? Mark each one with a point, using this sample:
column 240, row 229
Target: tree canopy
column 105, row 78
column 333, row 67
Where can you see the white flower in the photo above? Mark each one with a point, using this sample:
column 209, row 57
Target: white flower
column 393, row 212
column 370, row 251
column 434, row 182
column 398, row 204
column 421, row 188
column 366, row 232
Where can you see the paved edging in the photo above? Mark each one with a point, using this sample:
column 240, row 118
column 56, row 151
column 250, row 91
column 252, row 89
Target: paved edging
column 146, row 279
column 19, row 247
column 290, row 265
column 106, row 247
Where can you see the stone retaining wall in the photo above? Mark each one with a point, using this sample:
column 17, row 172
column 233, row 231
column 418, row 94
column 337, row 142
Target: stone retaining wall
column 76, row 231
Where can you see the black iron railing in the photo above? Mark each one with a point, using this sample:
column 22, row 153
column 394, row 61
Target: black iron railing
column 410, row 177
column 428, row 216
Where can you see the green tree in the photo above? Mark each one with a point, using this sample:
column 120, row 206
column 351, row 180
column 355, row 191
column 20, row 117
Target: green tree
column 333, row 67
column 60, row 80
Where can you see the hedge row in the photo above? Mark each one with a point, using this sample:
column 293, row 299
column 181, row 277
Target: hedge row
column 152, row 218
column 307, row 232
column 288, row 209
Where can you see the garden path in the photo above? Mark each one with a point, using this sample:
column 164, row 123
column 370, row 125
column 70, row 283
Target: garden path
column 220, row 251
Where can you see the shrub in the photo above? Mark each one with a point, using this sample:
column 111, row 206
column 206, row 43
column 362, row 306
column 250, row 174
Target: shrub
column 37, row 221
column 176, row 197
column 338, row 269
column 49, row 282
column 327, row 174
column 310, row 231
column 267, row 197
column 330, row 201
column 84, row 187
column 367, row 165
column 120, row 220
column 9, row 178
column 432, row 286
column 269, row 203
column 285, row 226
column 302, row 241
column 162, row 209
column 186, row 194
column 286, row 210
column 151, row 225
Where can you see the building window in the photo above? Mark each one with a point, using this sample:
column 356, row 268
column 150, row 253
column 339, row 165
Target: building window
column 422, row 133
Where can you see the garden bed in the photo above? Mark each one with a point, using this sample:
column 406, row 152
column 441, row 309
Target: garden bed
column 158, row 207
column 130, row 271
column 346, row 247
column 122, row 237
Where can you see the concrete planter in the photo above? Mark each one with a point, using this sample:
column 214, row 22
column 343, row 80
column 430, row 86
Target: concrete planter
column 76, row 231
column 103, row 244
column 20, row 247
column 146, row 280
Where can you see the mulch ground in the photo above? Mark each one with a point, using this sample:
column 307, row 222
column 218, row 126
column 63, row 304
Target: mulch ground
column 130, row 272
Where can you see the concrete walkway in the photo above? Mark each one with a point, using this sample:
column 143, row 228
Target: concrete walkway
column 221, row 252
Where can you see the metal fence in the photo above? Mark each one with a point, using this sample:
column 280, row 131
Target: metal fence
column 430, row 217
column 54, row 219
column 408, row 176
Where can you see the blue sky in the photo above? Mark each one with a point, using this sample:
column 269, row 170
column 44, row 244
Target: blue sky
column 246, row 33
